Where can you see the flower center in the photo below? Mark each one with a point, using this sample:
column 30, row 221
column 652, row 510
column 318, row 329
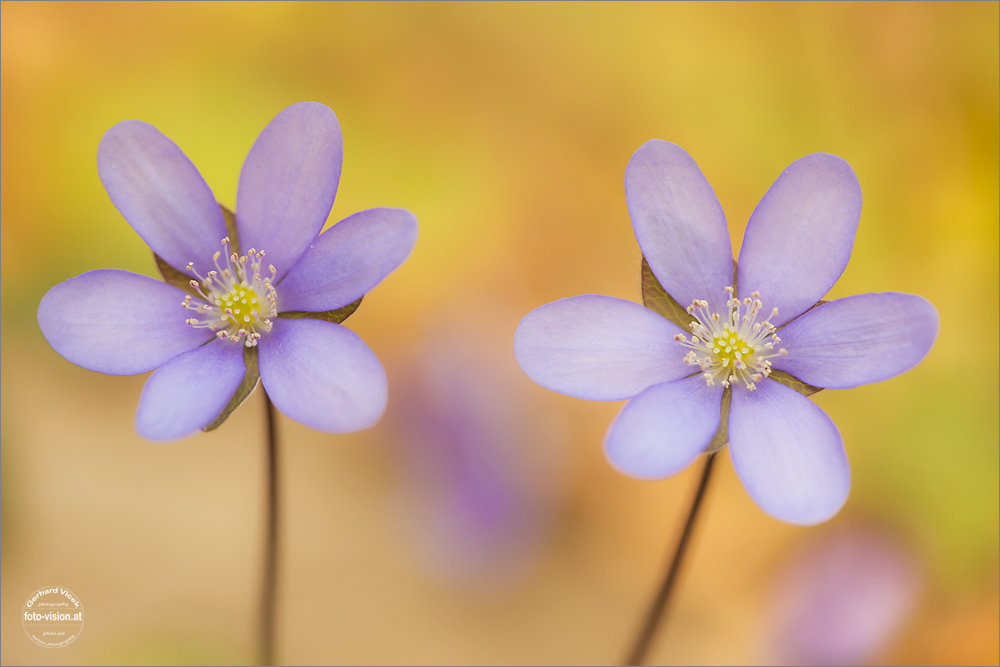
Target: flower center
column 733, row 347
column 240, row 305
column 729, row 347
column 239, row 302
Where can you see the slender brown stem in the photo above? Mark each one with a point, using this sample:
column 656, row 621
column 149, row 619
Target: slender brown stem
column 270, row 541
column 638, row 653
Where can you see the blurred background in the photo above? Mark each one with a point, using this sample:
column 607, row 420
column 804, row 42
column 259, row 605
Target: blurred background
column 479, row 522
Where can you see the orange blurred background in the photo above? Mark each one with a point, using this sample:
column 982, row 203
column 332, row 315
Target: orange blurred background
column 506, row 129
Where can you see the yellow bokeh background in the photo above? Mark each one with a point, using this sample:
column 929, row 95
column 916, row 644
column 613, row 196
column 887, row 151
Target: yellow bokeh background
column 506, row 129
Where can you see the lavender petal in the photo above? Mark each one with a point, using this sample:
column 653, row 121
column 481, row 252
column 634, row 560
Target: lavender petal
column 322, row 375
column 662, row 430
column 598, row 348
column 161, row 194
column 349, row 259
column 288, row 183
column 679, row 224
column 117, row 322
column 189, row 391
column 788, row 453
column 859, row 339
column 800, row 236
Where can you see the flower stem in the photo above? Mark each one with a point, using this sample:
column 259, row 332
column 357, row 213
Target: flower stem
column 638, row 653
column 270, row 541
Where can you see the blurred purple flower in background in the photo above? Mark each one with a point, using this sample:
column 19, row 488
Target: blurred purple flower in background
column 243, row 313
column 785, row 449
column 480, row 469
column 842, row 599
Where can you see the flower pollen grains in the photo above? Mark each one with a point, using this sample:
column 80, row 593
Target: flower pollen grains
column 730, row 353
column 224, row 319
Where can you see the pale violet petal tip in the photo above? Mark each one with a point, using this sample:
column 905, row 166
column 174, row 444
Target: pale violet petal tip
column 800, row 236
column 288, row 183
column 598, row 348
column 322, row 375
column 349, row 259
column 679, row 224
column 788, row 453
column 160, row 193
column 662, row 430
column 189, row 391
column 859, row 339
column 117, row 322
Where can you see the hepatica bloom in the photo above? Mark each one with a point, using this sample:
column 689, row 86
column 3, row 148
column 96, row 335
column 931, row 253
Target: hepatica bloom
column 842, row 599
column 255, row 295
column 736, row 364
column 480, row 468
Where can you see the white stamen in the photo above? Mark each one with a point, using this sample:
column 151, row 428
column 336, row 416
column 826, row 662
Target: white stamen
column 236, row 288
column 740, row 348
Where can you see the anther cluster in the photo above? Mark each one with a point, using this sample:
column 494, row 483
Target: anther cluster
column 736, row 347
column 238, row 301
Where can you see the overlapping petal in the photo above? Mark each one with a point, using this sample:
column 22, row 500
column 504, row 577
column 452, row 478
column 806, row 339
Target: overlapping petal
column 679, row 224
column 662, row 430
column 189, row 391
column 799, row 238
column 288, row 183
column 349, row 259
column 117, row 322
column 598, row 348
column 788, row 453
column 859, row 339
column 161, row 194
column 322, row 375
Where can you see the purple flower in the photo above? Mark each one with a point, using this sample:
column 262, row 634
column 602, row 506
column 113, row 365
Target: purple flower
column 756, row 342
column 842, row 599
column 244, row 315
column 480, row 464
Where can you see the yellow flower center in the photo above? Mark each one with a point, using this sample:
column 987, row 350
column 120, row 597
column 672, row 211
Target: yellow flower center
column 730, row 346
column 238, row 303
column 241, row 304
